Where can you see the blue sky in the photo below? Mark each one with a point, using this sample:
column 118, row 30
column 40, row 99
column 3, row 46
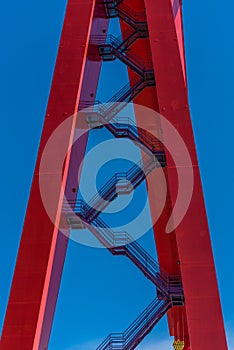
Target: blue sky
column 30, row 34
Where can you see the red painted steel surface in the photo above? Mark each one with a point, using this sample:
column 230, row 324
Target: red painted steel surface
column 88, row 93
column 42, row 248
column 170, row 72
column 166, row 244
column 203, row 309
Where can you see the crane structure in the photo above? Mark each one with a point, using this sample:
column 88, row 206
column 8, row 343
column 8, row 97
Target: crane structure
column 151, row 46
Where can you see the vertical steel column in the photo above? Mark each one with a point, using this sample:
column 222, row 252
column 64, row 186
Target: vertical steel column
column 203, row 310
column 42, row 248
column 166, row 244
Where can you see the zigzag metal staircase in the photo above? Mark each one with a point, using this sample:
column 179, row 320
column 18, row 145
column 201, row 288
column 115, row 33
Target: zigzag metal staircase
column 104, row 113
column 123, row 244
column 169, row 288
column 137, row 331
column 120, row 183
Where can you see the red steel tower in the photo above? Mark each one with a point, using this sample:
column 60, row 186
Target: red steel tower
column 152, row 48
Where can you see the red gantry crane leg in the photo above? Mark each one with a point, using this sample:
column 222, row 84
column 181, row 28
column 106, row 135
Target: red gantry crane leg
column 203, row 310
column 184, row 275
column 42, row 250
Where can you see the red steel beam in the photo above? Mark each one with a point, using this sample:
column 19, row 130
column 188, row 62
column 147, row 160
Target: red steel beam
column 42, row 250
column 203, row 309
column 166, row 245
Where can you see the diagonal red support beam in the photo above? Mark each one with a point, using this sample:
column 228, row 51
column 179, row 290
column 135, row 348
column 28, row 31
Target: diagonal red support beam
column 203, row 309
column 42, row 250
column 166, row 245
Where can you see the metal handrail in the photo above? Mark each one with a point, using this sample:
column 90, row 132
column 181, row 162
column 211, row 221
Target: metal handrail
column 126, row 13
column 122, row 243
column 117, row 45
column 135, row 16
column 129, row 339
column 108, row 192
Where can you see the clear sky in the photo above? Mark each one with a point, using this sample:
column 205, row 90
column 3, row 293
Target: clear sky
column 85, row 313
